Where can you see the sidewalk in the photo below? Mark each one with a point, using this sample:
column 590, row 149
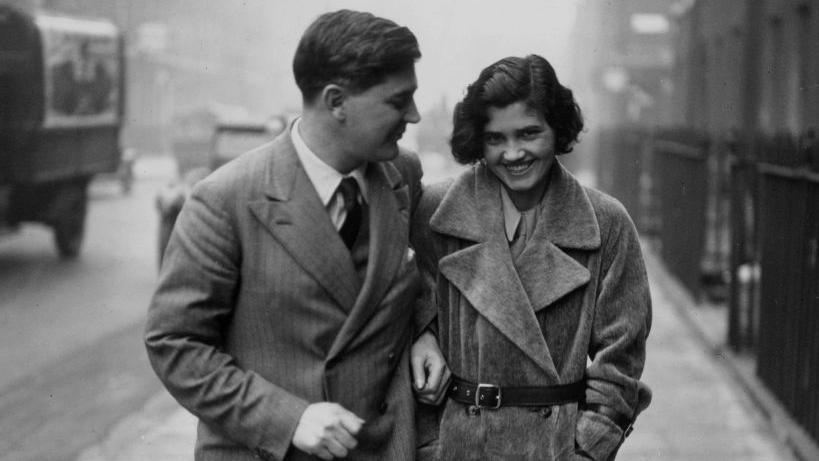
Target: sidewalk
column 699, row 412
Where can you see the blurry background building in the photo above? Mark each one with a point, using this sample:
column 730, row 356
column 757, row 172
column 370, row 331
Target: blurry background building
column 703, row 116
column 621, row 69
column 183, row 57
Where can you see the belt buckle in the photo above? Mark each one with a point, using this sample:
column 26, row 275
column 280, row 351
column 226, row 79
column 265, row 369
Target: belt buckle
column 479, row 396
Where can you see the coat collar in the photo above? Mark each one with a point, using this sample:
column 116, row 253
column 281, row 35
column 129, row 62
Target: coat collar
column 569, row 221
column 292, row 212
column 507, row 293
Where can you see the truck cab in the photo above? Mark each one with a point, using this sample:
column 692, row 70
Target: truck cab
column 61, row 111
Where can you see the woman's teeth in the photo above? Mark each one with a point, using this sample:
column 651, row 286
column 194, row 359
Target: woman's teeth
column 516, row 168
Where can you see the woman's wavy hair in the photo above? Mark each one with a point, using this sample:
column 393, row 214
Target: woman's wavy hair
column 531, row 80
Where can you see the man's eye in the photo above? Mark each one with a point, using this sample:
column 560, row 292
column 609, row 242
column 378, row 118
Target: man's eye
column 530, row 134
column 400, row 103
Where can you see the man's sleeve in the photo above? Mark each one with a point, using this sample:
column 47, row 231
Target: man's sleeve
column 426, row 258
column 192, row 305
column 621, row 324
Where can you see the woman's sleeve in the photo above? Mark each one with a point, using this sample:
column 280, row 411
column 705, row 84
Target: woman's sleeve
column 622, row 319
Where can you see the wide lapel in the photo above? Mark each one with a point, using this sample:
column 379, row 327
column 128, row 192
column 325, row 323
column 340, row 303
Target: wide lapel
column 293, row 213
column 484, row 272
column 388, row 199
column 567, row 221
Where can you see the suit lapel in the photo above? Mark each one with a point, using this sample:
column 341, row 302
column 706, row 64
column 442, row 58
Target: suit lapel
column 293, row 213
column 388, row 200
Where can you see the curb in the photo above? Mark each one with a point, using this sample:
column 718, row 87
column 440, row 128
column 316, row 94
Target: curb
column 740, row 368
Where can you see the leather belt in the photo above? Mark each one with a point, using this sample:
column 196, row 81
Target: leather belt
column 492, row 396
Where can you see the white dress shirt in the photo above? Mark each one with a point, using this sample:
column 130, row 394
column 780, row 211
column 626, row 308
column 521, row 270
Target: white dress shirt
column 326, row 179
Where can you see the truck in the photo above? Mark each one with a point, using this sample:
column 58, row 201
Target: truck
column 204, row 140
column 61, row 112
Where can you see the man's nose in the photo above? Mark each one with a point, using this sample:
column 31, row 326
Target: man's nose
column 412, row 115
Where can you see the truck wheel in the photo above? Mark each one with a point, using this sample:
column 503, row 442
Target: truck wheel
column 69, row 225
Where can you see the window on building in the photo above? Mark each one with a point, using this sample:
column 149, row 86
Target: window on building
column 649, row 23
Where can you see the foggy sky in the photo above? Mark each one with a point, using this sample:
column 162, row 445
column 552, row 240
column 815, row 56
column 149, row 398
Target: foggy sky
column 457, row 38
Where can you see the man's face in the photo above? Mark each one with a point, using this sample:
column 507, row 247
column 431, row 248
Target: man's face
column 376, row 117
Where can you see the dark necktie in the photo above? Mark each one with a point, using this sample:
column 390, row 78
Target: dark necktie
column 518, row 243
column 352, row 223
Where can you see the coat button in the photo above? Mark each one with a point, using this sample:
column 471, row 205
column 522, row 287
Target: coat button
column 383, row 408
column 543, row 412
column 391, row 357
column 473, row 410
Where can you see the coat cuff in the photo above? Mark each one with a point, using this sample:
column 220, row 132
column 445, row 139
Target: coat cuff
column 423, row 321
column 276, row 448
column 597, row 435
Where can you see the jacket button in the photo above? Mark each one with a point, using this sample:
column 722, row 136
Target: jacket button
column 391, row 357
column 473, row 410
column 383, row 407
column 543, row 412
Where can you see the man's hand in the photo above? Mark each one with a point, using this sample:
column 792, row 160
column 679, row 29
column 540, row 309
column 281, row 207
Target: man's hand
column 327, row 430
column 429, row 371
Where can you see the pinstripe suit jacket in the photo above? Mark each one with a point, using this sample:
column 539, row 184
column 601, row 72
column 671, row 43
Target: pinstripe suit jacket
column 259, row 310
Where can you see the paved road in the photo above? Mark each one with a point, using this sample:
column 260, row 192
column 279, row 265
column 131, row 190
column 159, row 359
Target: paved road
column 70, row 346
column 698, row 411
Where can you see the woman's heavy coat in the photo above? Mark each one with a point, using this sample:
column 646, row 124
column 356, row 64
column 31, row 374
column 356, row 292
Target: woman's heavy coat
column 577, row 307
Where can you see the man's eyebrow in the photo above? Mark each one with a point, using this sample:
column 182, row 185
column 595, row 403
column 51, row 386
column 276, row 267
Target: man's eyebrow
column 405, row 92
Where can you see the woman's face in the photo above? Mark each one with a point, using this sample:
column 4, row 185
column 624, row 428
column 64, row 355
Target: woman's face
column 519, row 148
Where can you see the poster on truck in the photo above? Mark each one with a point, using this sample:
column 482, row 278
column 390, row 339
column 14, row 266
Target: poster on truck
column 81, row 72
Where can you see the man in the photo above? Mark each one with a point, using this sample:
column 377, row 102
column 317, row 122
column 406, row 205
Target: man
column 282, row 316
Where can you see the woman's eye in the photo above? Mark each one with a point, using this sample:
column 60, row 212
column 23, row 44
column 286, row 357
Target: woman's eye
column 492, row 138
column 529, row 134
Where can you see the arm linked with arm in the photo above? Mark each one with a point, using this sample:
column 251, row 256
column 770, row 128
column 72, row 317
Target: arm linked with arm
column 432, row 385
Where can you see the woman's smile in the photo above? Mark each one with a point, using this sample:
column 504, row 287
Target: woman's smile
column 519, row 168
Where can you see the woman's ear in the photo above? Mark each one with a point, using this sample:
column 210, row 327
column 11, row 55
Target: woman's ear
column 333, row 97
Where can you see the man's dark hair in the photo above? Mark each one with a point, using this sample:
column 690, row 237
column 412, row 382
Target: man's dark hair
column 531, row 80
column 354, row 49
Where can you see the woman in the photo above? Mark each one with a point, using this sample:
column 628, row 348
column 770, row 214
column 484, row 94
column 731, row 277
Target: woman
column 536, row 286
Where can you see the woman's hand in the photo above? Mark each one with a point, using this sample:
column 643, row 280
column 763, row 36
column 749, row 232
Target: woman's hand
column 430, row 373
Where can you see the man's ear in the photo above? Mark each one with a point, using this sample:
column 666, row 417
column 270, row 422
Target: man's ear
column 333, row 97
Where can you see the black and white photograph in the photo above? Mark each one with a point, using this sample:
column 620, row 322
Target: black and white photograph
column 438, row 230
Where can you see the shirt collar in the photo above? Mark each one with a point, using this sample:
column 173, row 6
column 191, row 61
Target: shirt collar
column 511, row 215
column 324, row 177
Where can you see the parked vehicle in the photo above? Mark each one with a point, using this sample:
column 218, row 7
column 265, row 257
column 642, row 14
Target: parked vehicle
column 228, row 140
column 61, row 110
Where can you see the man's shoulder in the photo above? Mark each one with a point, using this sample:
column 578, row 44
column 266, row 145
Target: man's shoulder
column 244, row 175
column 408, row 164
